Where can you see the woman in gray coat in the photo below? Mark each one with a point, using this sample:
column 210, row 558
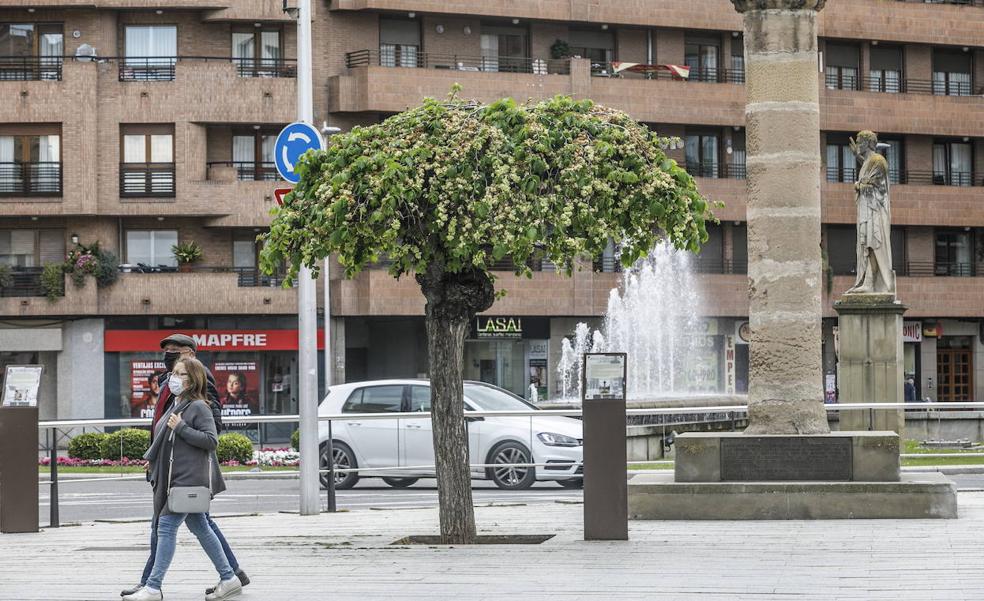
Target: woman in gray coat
column 187, row 430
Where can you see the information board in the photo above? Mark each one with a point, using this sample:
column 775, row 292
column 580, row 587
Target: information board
column 604, row 376
column 20, row 386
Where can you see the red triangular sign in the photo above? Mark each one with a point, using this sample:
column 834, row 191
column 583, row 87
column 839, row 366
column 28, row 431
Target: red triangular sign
column 279, row 194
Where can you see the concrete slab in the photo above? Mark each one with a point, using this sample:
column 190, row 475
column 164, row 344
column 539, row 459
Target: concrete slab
column 917, row 495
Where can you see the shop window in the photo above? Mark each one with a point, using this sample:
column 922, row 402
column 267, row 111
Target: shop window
column 151, row 247
column 375, row 399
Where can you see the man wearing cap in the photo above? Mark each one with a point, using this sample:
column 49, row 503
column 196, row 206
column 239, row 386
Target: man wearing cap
column 175, row 347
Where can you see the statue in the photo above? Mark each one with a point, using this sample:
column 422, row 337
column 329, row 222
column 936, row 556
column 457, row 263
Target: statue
column 874, row 229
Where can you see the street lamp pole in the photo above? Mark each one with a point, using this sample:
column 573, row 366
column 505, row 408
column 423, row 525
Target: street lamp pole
column 307, row 316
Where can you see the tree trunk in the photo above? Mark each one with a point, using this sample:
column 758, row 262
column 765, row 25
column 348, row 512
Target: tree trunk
column 452, row 302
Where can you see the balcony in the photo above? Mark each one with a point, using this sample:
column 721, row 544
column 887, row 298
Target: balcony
column 246, row 171
column 210, row 290
column 162, row 68
column 30, row 68
column 147, row 180
column 24, row 282
column 455, row 62
column 717, row 170
column 30, row 179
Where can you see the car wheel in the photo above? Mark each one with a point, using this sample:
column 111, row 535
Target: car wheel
column 572, row 483
column 400, row 482
column 511, row 478
column 344, row 459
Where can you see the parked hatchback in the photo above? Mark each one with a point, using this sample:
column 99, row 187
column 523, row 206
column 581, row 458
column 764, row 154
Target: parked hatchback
column 373, row 444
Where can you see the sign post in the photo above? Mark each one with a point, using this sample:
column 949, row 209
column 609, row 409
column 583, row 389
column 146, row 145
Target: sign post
column 18, row 449
column 606, row 506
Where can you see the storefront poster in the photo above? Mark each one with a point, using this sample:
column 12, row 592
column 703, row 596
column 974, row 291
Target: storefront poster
column 238, row 383
column 144, row 390
column 21, row 384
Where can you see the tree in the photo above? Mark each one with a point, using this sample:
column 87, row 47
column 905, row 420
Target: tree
column 446, row 190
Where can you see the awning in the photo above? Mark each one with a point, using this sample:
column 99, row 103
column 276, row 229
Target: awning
column 676, row 70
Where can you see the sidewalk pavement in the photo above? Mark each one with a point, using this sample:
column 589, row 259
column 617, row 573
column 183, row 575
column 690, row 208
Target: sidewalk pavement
column 348, row 557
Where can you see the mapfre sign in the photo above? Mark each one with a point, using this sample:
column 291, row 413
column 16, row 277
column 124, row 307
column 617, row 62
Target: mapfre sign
column 207, row 340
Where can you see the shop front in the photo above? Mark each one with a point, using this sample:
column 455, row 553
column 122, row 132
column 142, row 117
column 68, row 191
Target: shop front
column 255, row 374
column 510, row 352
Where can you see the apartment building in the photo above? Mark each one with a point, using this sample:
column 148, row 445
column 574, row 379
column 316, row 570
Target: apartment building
column 142, row 124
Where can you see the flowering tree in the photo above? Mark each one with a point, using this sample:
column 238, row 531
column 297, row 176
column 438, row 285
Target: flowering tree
column 446, row 190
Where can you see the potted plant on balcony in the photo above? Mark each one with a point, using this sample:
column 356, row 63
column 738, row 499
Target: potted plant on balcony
column 186, row 253
column 560, row 54
column 6, row 276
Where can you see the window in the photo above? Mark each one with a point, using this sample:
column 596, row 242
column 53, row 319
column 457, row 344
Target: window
column 252, row 155
column 737, row 168
column 31, row 51
column 150, row 53
column 147, row 168
column 710, row 259
column 951, row 73
column 952, row 164
column 258, row 53
column 738, row 59
column 375, row 399
column 954, row 253
column 702, row 154
column 885, row 74
column 151, row 247
column 841, row 162
column 30, row 164
column 31, row 248
column 504, row 48
column 399, row 43
column 702, row 55
column 893, row 154
column 842, row 62
column 597, row 45
column 420, row 398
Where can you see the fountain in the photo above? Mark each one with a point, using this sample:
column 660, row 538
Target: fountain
column 655, row 320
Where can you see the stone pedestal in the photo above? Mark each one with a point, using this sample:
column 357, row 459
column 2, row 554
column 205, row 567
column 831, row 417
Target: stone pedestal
column 870, row 360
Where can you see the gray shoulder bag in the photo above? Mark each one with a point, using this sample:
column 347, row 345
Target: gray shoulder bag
column 188, row 499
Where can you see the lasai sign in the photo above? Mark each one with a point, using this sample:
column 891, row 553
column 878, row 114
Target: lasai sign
column 499, row 327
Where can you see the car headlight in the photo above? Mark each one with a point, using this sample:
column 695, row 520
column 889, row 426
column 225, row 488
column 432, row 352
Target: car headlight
column 552, row 439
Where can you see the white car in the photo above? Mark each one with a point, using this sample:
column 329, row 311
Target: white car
column 370, row 445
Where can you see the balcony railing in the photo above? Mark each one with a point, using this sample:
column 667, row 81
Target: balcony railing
column 31, row 179
column 717, row 170
column 456, row 62
column 721, row 266
column 30, row 68
column 162, row 68
column 711, row 75
column 249, row 171
column 247, row 277
column 943, row 178
column 147, row 180
column 25, row 281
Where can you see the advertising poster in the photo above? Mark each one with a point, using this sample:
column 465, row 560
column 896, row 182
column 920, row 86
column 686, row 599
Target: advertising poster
column 238, row 383
column 538, row 377
column 20, row 385
column 144, row 390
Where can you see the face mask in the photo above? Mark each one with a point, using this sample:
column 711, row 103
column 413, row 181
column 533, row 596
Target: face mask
column 176, row 385
column 169, row 360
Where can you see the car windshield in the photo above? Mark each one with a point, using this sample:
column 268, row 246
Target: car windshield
column 487, row 398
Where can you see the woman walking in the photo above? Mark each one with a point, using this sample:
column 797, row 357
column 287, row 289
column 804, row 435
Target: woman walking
column 181, row 456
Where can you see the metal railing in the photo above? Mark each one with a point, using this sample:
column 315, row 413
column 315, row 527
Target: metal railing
column 266, row 67
column 39, row 178
column 717, row 170
column 458, row 62
column 31, row 68
column 249, row 171
column 147, row 180
column 24, row 281
column 943, row 178
column 714, row 75
column 162, row 68
column 720, row 266
column 732, row 413
column 246, row 277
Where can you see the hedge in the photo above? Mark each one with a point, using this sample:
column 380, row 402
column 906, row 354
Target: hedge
column 87, row 446
column 134, row 444
column 235, row 447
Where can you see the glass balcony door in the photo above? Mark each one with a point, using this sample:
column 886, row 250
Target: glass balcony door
column 150, row 52
column 258, row 53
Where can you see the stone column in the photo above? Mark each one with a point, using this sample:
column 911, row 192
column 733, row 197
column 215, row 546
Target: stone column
column 784, row 265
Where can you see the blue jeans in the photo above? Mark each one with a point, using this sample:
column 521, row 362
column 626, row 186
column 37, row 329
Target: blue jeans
column 230, row 556
column 167, row 534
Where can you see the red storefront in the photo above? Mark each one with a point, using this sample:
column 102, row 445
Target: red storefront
column 255, row 373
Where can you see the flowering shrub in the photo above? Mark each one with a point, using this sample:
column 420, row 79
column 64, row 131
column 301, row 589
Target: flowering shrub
column 91, row 260
column 276, row 457
column 264, row 457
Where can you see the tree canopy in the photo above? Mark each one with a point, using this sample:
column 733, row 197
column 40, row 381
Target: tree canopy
column 463, row 186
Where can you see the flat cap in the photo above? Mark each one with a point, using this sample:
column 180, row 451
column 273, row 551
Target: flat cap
column 180, row 340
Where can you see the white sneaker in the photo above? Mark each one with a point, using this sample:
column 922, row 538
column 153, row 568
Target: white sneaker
column 145, row 594
column 225, row 589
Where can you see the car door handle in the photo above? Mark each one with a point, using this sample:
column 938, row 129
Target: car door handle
column 415, row 427
column 354, row 423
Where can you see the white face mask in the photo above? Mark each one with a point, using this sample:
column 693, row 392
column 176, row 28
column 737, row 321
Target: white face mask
column 175, row 384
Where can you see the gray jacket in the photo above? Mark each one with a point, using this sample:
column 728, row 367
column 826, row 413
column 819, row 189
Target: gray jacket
column 195, row 441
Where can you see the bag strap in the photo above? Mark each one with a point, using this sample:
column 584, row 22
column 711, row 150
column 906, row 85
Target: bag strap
column 170, row 465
